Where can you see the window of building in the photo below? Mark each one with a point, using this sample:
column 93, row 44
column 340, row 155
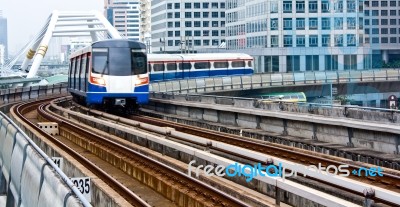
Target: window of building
column 188, row 5
column 312, row 62
column 287, row 6
column 197, row 33
column 197, row 24
column 366, row 22
column 326, row 23
column 287, row 41
column 393, row 30
column 366, row 30
column 274, row 41
column 214, row 23
column 331, row 62
column 366, row 13
column 169, row 6
column 215, row 33
column 222, row 5
column 170, row 24
column 384, row 12
column 375, row 40
column 206, row 33
column 300, row 41
column 313, row 41
column 375, row 30
column 350, row 62
column 392, row 12
column 271, row 63
column 274, row 24
column 392, row 3
column 313, row 23
column 338, row 5
column 177, row 5
column 177, row 33
column 326, row 40
column 313, row 6
column 338, row 23
column 375, row 21
column 300, row 6
column 177, row 15
column 177, row 42
column 287, row 23
column 206, row 14
column 188, row 14
column 393, row 40
column 325, row 6
column 215, row 42
column 351, row 6
column 384, row 30
column 214, row 14
column 205, row 6
column 188, row 33
column 206, row 23
column 392, row 21
column 274, row 6
column 222, row 15
column 300, row 23
column 206, row 42
column 351, row 23
column 170, row 43
column 169, row 15
column 360, row 23
column 196, row 14
column 375, row 13
column 384, row 22
column 214, row 5
column 375, row 3
column 196, row 5
column 292, row 63
column 177, row 24
column 384, row 40
column 338, row 41
column 351, row 40
column 188, row 23
column 384, row 3
column 170, row 33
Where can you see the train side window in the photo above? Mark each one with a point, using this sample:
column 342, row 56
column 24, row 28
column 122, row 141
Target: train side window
column 139, row 60
column 158, row 67
column 250, row 63
column 171, row 66
column 237, row 64
column 77, row 70
column 71, row 72
column 185, row 66
column 221, row 64
column 202, row 65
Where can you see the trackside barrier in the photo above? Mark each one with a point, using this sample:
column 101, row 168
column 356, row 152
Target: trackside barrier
column 275, row 79
column 33, row 92
column 44, row 184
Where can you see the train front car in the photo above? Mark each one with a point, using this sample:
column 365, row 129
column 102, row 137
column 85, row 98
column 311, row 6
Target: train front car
column 119, row 75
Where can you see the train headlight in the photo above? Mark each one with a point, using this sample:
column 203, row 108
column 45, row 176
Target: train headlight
column 98, row 81
column 142, row 81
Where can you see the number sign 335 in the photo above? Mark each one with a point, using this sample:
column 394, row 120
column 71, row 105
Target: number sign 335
column 83, row 184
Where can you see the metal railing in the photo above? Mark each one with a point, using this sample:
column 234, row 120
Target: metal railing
column 275, row 79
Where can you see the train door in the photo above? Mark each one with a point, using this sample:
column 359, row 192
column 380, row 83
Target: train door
column 185, row 67
column 71, row 73
column 76, row 74
column 158, row 71
column 88, row 66
column 82, row 73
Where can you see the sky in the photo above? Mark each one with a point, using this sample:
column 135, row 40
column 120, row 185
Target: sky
column 25, row 18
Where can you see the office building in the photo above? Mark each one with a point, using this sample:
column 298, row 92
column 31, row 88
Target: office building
column 185, row 26
column 3, row 34
column 310, row 35
column 130, row 17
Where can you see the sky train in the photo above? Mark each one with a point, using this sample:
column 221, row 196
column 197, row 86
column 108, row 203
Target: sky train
column 110, row 73
column 180, row 66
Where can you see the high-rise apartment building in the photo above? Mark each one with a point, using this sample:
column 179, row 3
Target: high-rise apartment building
column 286, row 36
column 130, row 17
column 182, row 26
column 3, row 35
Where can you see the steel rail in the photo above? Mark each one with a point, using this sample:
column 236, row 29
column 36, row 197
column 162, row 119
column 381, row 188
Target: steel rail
column 132, row 198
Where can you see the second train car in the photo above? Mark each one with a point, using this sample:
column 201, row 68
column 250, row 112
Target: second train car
column 181, row 66
column 110, row 73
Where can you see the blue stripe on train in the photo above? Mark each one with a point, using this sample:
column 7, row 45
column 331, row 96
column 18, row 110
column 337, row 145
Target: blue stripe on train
column 169, row 75
column 97, row 98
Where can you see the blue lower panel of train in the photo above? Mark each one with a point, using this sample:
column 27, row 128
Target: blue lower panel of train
column 170, row 75
column 97, row 98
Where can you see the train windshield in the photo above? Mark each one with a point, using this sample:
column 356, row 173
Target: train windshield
column 119, row 61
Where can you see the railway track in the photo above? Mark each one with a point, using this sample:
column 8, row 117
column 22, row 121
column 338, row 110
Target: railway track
column 176, row 186
column 390, row 181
